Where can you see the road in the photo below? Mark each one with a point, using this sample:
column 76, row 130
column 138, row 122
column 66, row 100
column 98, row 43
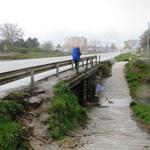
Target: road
column 18, row 64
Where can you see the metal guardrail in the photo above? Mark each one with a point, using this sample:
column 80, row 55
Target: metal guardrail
column 14, row 75
column 72, row 82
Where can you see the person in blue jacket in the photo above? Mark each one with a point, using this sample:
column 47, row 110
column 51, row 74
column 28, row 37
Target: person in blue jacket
column 76, row 57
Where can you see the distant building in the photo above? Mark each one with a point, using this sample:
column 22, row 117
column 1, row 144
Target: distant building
column 131, row 44
column 96, row 45
column 74, row 42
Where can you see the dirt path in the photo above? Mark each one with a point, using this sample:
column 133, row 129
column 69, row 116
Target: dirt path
column 36, row 120
column 111, row 126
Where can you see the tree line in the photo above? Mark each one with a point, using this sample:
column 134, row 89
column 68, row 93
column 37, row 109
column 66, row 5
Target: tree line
column 11, row 36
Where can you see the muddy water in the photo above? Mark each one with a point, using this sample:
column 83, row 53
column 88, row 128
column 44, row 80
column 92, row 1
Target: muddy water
column 111, row 126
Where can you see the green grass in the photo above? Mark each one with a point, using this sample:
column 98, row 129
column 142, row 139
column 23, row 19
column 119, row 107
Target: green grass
column 38, row 54
column 18, row 96
column 123, row 57
column 11, row 134
column 107, row 67
column 10, row 108
column 142, row 111
column 66, row 113
column 137, row 74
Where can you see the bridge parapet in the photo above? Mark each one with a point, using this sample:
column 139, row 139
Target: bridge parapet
column 14, row 75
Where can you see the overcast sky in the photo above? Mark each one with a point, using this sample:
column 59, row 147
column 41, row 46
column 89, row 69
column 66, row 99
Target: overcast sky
column 112, row 20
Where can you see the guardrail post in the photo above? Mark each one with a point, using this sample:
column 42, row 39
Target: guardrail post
column 57, row 69
column 99, row 58
column 87, row 63
column 91, row 61
column 32, row 78
column 72, row 62
column 82, row 63
column 96, row 60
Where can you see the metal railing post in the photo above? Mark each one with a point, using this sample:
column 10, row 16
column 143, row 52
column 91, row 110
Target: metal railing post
column 91, row 61
column 57, row 69
column 96, row 60
column 86, row 63
column 99, row 58
column 32, row 78
column 72, row 62
column 82, row 63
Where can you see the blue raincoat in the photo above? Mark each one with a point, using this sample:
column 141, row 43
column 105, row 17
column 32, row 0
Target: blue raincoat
column 76, row 53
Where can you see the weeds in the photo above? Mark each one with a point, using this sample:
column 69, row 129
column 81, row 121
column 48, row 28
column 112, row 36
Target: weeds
column 10, row 108
column 11, row 134
column 142, row 111
column 137, row 74
column 123, row 57
column 107, row 66
column 66, row 113
column 18, row 96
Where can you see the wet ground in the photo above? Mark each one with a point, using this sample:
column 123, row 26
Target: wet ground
column 111, row 125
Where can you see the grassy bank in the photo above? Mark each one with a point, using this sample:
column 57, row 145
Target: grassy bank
column 142, row 112
column 28, row 55
column 66, row 113
column 11, row 133
column 138, row 77
column 123, row 57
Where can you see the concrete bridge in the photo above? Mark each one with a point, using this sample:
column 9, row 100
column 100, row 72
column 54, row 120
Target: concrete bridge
column 83, row 85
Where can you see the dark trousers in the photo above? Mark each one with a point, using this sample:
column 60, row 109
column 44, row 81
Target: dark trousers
column 77, row 65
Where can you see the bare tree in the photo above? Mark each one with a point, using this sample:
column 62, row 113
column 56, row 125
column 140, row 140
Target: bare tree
column 11, row 32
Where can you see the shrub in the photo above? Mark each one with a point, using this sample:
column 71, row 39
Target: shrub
column 10, row 133
column 107, row 66
column 66, row 113
column 10, row 130
column 10, row 108
column 132, row 104
column 17, row 96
